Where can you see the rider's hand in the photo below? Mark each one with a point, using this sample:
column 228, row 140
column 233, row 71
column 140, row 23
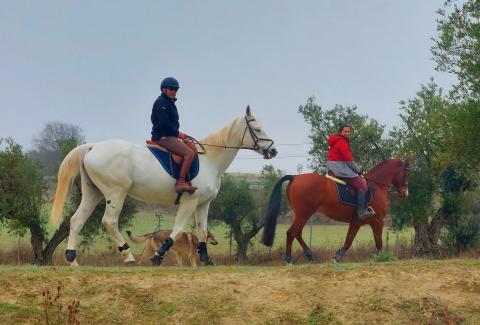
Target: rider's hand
column 182, row 135
column 361, row 174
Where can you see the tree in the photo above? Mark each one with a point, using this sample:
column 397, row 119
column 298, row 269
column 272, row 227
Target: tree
column 457, row 50
column 366, row 139
column 22, row 195
column 47, row 143
column 236, row 207
column 457, row 47
column 435, row 177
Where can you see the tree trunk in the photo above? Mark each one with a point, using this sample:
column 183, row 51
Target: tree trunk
column 421, row 242
column 427, row 235
column 59, row 235
column 242, row 250
column 37, row 239
column 242, row 243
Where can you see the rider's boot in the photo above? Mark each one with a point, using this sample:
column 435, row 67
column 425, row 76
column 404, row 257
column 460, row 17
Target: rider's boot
column 182, row 186
column 363, row 211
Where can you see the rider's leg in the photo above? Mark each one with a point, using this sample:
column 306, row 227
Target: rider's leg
column 177, row 146
column 363, row 211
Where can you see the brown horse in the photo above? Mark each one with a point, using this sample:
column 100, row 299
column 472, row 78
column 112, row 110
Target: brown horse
column 310, row 193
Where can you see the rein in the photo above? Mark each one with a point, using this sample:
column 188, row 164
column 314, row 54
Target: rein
column 254, row 136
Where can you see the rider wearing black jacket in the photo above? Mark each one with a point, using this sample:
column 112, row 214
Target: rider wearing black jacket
column 165, row 130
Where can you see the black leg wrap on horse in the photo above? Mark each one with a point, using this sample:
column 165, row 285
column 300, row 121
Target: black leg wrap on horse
column 288, row 258
column 339, row 254
column 202, row 252
column 308, row 253
column 70, row 255
column 123, row 248
column 158, row 257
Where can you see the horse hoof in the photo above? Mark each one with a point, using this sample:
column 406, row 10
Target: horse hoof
column 128, row 258
column 335, row 261
column 74, row 263
column 209, row 262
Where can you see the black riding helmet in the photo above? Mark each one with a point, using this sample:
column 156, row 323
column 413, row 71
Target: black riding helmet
column 169, row 82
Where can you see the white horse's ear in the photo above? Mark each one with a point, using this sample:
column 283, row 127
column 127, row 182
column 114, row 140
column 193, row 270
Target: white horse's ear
column 248, row 111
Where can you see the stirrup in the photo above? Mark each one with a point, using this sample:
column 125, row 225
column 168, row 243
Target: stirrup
column 189, row 190
column 364, row 214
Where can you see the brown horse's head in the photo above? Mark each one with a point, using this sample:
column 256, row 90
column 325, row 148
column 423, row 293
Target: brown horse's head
column 400, row 178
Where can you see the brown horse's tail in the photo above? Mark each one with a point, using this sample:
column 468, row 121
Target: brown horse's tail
column 273, row 210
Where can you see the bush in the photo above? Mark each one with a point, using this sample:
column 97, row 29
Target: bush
column 463, row 236
column 383, row 256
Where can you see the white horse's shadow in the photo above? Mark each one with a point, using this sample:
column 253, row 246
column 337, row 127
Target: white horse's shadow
column 115, row 168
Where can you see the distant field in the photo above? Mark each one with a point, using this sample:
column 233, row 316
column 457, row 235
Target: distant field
column 327, row 236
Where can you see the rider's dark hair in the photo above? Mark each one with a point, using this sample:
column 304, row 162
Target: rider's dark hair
column 342, row 126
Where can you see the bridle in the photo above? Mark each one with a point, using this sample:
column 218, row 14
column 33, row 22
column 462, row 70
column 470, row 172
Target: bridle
column 254, row 136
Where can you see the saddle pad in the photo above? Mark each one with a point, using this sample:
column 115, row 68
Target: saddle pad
column 344, row 195
column 171, row 167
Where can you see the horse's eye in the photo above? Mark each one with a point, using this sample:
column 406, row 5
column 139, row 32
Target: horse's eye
column 257, row 130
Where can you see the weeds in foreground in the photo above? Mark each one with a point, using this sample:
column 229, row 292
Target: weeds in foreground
column 383, row 256
column 53, row 307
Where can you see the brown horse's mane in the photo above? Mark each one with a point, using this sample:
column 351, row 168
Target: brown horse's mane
column 384, row 168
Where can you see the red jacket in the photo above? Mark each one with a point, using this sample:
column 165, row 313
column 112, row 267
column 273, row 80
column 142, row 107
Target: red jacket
column 339, row 148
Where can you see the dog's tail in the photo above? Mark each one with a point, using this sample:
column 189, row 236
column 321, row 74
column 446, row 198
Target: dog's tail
column 139, row 239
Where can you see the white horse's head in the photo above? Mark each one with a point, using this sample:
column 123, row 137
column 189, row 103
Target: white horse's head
column 255, row 137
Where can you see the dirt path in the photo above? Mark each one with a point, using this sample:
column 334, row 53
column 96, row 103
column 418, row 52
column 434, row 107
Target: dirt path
column 413, row 292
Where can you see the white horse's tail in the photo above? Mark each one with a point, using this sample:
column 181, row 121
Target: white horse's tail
column 69, row 169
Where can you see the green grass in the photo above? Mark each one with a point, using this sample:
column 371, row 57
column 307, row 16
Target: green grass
column 328, row 236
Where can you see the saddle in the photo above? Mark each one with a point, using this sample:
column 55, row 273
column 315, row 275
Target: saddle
column 176, row 158
column 172, row 162
column 346, row 194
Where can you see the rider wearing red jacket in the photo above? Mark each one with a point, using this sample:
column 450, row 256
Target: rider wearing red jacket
column 340, row 162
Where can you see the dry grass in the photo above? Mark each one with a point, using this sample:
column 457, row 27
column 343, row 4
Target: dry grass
column 359, row 253
column 402, row 292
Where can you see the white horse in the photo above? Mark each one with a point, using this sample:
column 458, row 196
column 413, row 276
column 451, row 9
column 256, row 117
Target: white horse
column 114, row 169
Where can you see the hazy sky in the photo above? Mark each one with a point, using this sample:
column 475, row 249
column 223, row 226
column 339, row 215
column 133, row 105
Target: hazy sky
column 98, row 64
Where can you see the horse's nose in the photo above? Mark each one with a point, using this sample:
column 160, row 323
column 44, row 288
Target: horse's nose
column 273, row 152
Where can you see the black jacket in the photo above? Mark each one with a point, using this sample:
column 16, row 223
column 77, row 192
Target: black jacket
column 164, row 118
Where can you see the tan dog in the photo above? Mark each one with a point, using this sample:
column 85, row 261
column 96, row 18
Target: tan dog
column 185, row 245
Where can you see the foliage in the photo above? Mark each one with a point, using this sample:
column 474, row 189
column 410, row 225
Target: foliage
column 462, row 235
column 383, row 256
column 48, row 143
column 419, row 203
column 457, row 47
column 463, row 131
column 22, row 190
column 421, row 135
column 463, row 231
column 241, row 209
column 366, row 140
column 235, row 206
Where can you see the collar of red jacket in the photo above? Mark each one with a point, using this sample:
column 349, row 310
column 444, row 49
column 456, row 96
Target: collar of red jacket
column 332, row 139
